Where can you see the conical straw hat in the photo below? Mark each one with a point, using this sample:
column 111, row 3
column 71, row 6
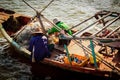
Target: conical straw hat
column 37, row 30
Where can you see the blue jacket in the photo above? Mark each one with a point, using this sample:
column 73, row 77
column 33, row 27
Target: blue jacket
column 39, row 43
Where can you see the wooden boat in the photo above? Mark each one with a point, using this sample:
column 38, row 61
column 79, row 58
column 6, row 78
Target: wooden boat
column 63, row 69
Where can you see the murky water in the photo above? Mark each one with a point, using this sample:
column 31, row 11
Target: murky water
column 70, row 11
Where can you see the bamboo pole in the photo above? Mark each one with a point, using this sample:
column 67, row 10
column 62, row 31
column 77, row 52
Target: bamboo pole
column 29, row 5
column 106, row 26
column 92, row 24
column 113, row 31
column 81, row 23
column 38, row 14
column 95, row 38
column 40, row 21
column 90, row 18
column 46, row 6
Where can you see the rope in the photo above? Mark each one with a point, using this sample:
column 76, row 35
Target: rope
column 2, row 40
column 4, row 46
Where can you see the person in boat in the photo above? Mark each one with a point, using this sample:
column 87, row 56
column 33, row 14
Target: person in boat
column 38, row 46
column 60, row 24
column 64, row 32
column 63, row 38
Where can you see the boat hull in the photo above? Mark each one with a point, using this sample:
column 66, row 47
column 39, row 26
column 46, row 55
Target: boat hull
column 58, row 71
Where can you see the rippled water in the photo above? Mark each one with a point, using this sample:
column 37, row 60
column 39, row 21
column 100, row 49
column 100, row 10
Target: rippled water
column 12, row 69
column 69, row 11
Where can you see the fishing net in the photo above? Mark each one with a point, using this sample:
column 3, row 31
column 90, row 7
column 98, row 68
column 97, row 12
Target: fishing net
column 24, row 36
column 3, row 45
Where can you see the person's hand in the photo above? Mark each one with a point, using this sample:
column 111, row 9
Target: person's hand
column 62, row 32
